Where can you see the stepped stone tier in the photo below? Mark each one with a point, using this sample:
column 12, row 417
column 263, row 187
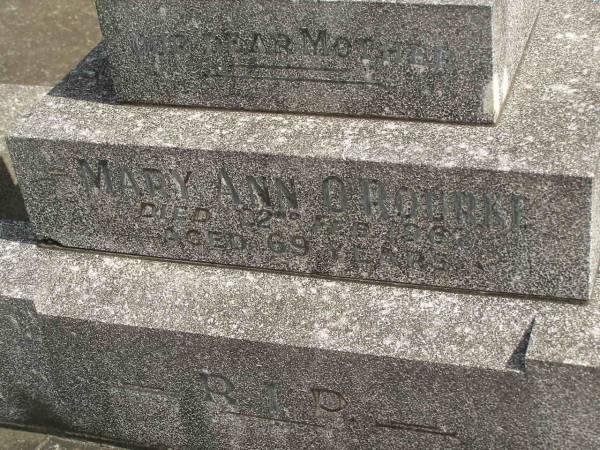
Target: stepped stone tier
column 449, row 60
column 157, row 354
column 511, row 208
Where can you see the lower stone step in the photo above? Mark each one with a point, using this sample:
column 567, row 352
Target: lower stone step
column 155, row 354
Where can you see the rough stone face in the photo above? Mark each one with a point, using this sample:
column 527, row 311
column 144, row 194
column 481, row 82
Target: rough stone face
column 14, row 100
column 422, row 59
column 511, row 208
column 159, row 354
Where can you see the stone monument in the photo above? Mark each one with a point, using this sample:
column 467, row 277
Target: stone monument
column 365, row 283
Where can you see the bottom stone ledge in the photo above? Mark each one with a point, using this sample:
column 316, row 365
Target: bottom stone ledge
column 163, row 355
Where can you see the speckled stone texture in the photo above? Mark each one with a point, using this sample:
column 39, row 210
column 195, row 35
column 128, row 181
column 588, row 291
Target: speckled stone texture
column 14, row 100
column 511, row 208
column 166, row 355
column 450, row 60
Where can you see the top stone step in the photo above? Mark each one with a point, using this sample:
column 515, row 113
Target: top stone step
column 447, row 60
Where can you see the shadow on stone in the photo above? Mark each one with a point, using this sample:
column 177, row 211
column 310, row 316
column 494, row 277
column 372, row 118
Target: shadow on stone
column 518, row 359
column 91, row 80
column 12, row 206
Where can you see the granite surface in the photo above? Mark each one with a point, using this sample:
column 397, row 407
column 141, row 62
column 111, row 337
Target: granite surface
column 14, row 100
column 449, row 60
column 40, row 40
column 159, row 354
column 511, row 208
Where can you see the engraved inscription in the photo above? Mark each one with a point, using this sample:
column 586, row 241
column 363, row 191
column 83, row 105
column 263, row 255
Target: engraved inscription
column 332, row 223
column 218, row 387
column 328, row 407
column 314, row 406
column 307, row 54
column 328, row 401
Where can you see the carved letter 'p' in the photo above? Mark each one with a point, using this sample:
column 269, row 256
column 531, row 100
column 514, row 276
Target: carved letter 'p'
column 328, row 401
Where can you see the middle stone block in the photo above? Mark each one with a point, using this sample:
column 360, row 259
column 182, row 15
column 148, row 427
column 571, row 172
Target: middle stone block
column 511, row 208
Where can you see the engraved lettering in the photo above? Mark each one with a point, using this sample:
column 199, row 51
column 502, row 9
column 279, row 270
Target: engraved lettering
column 359, row 255
column 314, row 45
column 95, row 183
column 442, row 58
column 194, row 237
column 417, row 59
column 291, row 55
column 296, row 245
column 410, row 212
column 440, row 262
column 342, row 47
column 179, row 212
column 327, row 400
column 216, row 239
column 387, row 256
column 518, row 206
column 361, row 224
column 491, row 213
column 216, row 385
column 260, row 191
column 128, row 182
column 334, row 252
column 226, row 240
column 299, row 245
column 155, row 182
column 148, row 210
column 171, row 236
column 412, row 233
column 226, row 188
column 283, row 44
column 438, row 234
column 201, row 215
column 392, row 53
column 433, row 206
column 414, row 260
column 275, row 243
column 258, row 44
column 373, row 202
column 181, row 182
column 325, row 224
column 264, row 219
column 464, row 205
column 286, row 194
column 360, row 229
column 334, row 195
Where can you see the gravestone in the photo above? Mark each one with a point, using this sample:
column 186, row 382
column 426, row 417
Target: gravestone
column 511, row 208
column 421, row 59
column 150, row 353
